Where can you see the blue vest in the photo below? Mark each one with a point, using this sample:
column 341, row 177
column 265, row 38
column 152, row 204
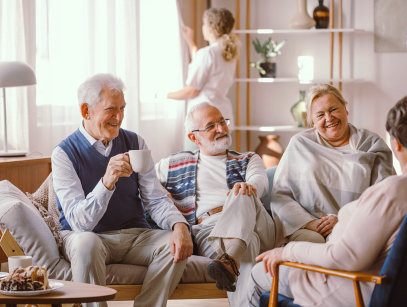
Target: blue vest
column 125, row 209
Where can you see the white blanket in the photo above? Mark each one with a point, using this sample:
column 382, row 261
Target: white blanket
column 315, row 179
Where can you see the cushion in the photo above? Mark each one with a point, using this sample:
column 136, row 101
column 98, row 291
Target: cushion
column 29, row 229
column 44, row 200
column 32, row 234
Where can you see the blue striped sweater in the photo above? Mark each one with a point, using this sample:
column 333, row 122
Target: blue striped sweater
column 181, row 182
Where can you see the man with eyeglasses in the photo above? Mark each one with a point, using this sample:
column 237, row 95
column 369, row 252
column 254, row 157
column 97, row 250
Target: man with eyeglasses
column 218, row 191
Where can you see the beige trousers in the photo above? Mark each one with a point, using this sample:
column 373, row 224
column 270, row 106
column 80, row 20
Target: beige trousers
column 244, row 218
column 90, row 252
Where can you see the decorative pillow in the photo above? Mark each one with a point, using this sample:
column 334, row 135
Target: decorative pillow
column 32, row 234
column 44, row 200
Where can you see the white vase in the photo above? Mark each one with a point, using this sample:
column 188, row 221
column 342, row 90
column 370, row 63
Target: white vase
column 301, row 19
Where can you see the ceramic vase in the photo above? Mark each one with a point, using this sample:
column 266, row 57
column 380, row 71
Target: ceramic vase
column 301, row 19
column 299, row 111
column 269, row 150
column 270, row 68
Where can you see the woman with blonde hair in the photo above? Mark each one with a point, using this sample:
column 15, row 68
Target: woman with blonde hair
column 324, row 168
column 361, row 240
column 212, row 69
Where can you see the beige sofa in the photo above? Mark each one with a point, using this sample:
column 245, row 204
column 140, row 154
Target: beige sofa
column 31, row 230
column 33, row 218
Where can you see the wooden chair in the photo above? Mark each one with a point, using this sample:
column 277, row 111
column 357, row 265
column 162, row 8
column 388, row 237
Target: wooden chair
column 390, row 289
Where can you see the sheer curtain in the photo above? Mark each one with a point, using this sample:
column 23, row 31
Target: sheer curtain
column 76, row 39
column 15, row 43
column 161, row 69
column 66, row 41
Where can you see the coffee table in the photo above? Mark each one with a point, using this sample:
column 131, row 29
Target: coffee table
column 71, row 292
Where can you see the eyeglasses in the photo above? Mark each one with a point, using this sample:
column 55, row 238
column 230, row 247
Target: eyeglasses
column 222, row 123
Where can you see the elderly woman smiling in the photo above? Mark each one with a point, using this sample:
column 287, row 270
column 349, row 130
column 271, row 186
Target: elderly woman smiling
column 324, row 168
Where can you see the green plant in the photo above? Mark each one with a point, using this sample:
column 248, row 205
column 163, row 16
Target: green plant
column 268, row 50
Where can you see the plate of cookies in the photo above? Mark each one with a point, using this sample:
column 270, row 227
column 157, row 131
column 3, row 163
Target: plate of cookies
column 30, row 281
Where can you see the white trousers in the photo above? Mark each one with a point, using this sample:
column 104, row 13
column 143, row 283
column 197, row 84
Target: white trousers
column 90, row 252
column 244, row 218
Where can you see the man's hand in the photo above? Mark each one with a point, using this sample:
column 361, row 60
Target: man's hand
column 181, row 242
column 119, row 166
column 270, row 259
column 242, row 187
column 327, row 224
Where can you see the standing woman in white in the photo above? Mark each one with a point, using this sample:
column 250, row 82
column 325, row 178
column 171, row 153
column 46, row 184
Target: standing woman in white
column 212, row 69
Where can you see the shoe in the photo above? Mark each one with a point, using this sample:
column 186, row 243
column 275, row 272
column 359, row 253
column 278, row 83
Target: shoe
column 224, row 270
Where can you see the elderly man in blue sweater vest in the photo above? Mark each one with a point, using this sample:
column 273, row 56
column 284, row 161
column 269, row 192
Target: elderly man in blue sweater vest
column 218, row 192
column 102, row 201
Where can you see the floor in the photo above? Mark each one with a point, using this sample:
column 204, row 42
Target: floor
column 218, row 302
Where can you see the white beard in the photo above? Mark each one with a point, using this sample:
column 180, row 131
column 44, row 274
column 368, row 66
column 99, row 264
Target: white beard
column 217, row 146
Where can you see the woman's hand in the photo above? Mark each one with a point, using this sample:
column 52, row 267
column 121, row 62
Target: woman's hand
column 187, row 33
column 327, row 224
column 323, row 225
column 270, row 259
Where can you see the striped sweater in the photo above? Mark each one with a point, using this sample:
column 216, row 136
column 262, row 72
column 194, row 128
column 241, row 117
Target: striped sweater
column 181, row 182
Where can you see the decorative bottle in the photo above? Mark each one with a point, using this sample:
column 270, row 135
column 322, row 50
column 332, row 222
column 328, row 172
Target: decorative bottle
column 321, row 15
column 299, row 110
column 301, row 19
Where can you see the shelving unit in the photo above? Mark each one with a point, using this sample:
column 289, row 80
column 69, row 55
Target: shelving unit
column 246, row 80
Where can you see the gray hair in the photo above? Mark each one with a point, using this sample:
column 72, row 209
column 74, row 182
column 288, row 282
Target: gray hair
column 319, row 90
column 190, row 122
column 89, row 91
column 396, row 124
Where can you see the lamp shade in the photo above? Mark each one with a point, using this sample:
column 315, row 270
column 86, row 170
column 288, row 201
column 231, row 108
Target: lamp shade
column 16, row 74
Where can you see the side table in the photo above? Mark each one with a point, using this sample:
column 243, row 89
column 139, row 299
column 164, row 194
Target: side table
column 71, row 292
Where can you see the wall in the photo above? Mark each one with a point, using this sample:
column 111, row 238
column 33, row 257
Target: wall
column 383, row 74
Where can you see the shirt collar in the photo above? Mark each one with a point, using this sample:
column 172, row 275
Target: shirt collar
column 98, row 145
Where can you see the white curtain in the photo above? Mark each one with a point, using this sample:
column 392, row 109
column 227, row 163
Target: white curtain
column 161, row 70
column 76, row 39
column 66, row 41
column 15, row 45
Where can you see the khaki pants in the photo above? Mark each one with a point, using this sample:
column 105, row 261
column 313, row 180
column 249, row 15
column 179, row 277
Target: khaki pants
column 244, row 218
column 90, row 252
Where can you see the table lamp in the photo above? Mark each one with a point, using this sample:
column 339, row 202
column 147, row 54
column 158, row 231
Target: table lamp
column 13, row 74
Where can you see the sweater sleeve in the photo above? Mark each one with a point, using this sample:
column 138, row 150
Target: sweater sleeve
column 256, row 175
column 380, row 210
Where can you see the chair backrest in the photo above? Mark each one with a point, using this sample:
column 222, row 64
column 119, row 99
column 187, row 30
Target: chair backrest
column 394, row 291
column 270, row 176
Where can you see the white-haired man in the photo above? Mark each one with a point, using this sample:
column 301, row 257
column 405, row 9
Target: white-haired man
column 217, row 190
column 102, row 201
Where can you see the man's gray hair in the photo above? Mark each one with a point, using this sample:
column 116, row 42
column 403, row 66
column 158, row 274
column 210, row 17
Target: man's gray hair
column 89, row 91
column 190, row 122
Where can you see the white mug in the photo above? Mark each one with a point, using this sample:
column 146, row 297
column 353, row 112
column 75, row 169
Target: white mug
column 140, row 160
column 19, row 261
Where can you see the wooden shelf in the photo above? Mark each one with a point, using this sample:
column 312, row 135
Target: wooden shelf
column 281, row 128
column 294, row 80
column 297, row 31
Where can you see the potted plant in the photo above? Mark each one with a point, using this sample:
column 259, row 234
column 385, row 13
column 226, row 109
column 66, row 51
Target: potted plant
column 268, row 50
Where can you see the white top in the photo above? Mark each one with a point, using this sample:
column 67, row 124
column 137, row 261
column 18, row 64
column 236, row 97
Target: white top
column 83, row 212
column 211, row 186
column 213, row 77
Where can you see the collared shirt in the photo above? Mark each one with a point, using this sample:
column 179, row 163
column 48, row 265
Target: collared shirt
column 83, row 212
